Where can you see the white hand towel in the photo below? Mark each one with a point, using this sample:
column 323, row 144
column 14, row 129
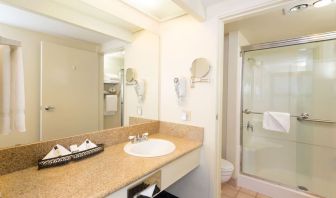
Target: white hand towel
column 5, row 90
column 111, row 104
column 276, row 121
column 57, row 151
column 18, row 92
column 149, row 192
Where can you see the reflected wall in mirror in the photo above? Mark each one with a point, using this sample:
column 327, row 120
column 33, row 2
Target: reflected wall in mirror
column 73, row 79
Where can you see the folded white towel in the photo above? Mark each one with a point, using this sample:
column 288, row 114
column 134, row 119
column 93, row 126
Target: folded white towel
column 111, row 78
column 111, row 104
column 87, row 144
column 149, row 191
column 276, row 121
column 57, row 151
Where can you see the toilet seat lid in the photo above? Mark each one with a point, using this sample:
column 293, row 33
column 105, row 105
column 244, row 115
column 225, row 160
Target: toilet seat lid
column 226, row 165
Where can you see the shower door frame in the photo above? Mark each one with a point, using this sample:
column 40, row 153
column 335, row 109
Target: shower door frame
column 268, row 45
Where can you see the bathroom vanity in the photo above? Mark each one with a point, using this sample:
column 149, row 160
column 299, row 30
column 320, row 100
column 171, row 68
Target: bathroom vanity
column 109, row 174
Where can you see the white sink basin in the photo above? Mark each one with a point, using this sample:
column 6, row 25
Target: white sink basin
column 150, row 148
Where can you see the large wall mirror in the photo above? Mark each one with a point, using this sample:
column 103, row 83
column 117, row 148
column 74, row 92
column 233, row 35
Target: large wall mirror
column 73, row 79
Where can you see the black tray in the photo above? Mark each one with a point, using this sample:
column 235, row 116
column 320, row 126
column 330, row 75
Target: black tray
column 62, row 160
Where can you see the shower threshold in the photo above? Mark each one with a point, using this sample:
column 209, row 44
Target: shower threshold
column 273, row 188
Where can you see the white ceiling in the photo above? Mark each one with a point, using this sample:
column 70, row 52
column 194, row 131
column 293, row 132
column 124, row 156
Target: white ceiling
column 35, row 22
column 275, row 25
column 97, row 13
column 211, row 2
column 160, row 10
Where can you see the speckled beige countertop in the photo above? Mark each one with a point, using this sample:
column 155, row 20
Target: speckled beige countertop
column 97, row 176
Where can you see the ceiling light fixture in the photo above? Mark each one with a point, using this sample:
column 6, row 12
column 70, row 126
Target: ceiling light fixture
column 322, row 3
column 299, row 7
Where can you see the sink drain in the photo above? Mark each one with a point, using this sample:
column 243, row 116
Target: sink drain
column 302, row 188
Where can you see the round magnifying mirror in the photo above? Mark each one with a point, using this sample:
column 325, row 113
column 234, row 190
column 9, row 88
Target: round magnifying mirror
column 129, row 75
column 200, row 68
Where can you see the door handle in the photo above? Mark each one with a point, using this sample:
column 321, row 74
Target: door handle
column 49, row 108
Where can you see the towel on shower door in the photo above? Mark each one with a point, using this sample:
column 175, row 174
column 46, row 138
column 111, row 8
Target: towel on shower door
column 276, row 121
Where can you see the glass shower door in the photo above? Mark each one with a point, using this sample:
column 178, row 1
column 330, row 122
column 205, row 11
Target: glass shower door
column 295, row 79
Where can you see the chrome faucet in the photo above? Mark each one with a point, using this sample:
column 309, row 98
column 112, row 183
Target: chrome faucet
column 137, row 138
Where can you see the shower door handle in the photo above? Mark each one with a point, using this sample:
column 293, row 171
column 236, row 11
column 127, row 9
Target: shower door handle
column 249, row 126
column 49, row 108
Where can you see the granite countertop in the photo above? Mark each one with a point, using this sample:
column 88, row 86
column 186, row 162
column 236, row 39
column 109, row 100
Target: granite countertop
column 97, row 176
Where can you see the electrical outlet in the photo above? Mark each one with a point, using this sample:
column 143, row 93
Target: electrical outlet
column 185, row 116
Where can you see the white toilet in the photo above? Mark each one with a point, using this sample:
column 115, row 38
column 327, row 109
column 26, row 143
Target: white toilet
column 226, row 170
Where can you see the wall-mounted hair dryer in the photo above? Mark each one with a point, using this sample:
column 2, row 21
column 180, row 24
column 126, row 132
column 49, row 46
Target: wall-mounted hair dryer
column 180, row 88
column 139, row 88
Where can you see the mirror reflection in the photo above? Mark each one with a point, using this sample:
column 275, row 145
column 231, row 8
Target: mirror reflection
column 113, row 89
column 60, row 80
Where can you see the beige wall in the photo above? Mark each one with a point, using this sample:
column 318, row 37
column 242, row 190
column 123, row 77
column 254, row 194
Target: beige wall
column 31, row 59
column 143, row 56
column 183, row 40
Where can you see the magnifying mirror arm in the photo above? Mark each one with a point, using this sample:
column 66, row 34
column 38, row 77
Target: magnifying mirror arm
column 134, row 82
column 198, row 80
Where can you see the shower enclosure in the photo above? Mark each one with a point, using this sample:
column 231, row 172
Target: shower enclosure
column 296, row 76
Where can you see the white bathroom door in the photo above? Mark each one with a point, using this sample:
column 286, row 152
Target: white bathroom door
column 69, row 91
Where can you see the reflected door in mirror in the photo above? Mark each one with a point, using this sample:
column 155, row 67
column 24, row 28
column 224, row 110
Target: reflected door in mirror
column 69, row 91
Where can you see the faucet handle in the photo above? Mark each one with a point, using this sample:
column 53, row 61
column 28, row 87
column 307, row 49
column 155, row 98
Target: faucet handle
column 131, row 138
column 145, row 136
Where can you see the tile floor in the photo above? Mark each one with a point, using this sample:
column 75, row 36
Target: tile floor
column 230, row 191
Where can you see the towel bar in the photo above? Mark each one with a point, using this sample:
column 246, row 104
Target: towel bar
column 302, row 117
